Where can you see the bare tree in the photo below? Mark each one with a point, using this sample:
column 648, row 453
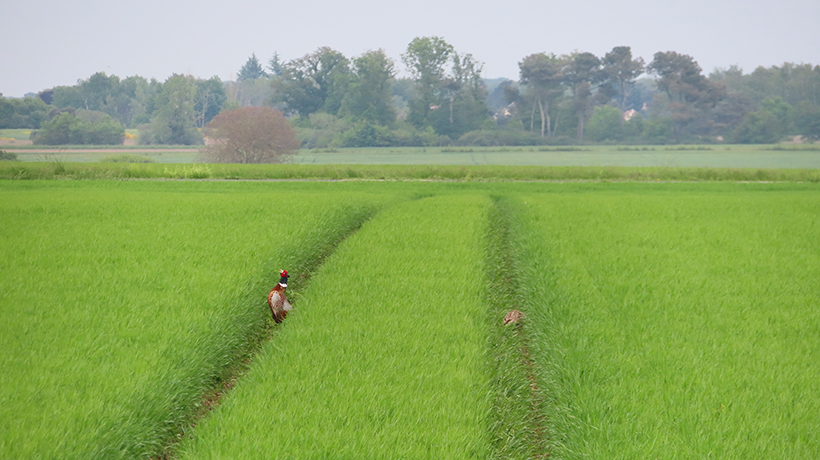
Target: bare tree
column 250, row 135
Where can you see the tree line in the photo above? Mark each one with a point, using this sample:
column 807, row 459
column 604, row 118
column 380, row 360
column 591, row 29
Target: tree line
column 332, row 100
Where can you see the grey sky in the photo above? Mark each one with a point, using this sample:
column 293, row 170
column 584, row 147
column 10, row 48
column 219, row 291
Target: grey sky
column 46, row 43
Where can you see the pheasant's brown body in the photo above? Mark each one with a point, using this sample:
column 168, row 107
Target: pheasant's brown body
column 513, row 316
column 278, row 302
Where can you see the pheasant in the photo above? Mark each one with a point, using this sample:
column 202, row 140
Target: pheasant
column 277, row 300
column 513, row 316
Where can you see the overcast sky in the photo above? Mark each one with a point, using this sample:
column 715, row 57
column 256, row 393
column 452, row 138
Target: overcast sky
column 47, row 43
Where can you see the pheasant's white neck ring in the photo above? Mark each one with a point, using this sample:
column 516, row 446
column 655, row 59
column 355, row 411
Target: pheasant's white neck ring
column 284, row 285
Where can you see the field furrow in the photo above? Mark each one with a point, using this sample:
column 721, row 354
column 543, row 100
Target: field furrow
column 384, row 355
column 519, row 424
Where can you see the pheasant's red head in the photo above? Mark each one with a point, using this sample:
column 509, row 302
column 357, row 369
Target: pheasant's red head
column 283, row 278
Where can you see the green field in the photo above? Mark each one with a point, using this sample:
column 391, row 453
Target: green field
column 384, row 359
column 677, row 323
column 122, row 303
column 663, row 320
column 686, row 156
column 498, row 173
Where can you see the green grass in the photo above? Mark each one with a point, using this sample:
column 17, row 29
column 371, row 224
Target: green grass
column 123, row 302
column 676, row 322
column 665, row 320
column 58, row 169
column 681, row 156
column 518, row 420
column 382, row 358
column 73, row 149
column 94, row 154
column 790, row 156
column 126, row 158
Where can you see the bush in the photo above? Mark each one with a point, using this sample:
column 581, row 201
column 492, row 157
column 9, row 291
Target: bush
column 7, row 156
column 605, row 125
column 126, row 158
column 67, row 129
column 658, row 130
column 367, row 134
column 250, row 135
column 320, row 130
column 159, row 132
column 759, row 127
column 513, row 138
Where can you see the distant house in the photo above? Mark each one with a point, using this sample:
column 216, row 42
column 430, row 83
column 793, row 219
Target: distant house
column 629, row 114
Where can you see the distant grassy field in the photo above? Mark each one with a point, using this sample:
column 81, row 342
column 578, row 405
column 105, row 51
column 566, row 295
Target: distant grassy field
column 95, row 154
column 686, row 156
column 729, row 156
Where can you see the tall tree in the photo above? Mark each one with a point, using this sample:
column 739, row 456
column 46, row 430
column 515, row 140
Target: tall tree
column 65, row 97
column 807, row 120
column 621, row 71
column 425, row 59
column 28, row 112
column 251, row 70
column 275, row 65
column 687, row 89
column 464, row 95
column 680, row 76
column 541, row 75
column 97, row 89
column 369, row 95
column 314, row 82
column 174, row 120
column 581, row 72
column 210, row 97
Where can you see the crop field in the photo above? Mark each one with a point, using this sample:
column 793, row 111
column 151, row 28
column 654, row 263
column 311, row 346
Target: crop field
column 662, row 320
column 687, row 156
column 122, row 303
column 677, row 325
column 384, row 358
column 793, row 156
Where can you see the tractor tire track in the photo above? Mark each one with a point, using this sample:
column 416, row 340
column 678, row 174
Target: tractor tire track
column 518, row 428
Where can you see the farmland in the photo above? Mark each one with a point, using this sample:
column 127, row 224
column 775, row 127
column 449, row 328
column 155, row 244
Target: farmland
column 792, row 156
column 663, row 320
column 122, row 304
column 385, row 358
column 678, row 325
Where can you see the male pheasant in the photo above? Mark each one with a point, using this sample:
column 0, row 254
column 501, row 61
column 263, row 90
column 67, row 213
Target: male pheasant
column 277, row 300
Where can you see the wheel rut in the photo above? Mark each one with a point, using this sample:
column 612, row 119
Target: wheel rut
column 519, row 428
